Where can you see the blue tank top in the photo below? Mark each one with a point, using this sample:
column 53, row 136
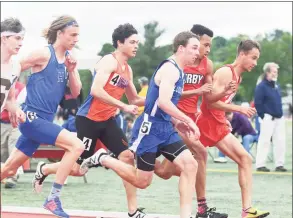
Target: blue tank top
column 151, row 103
column 45, row 89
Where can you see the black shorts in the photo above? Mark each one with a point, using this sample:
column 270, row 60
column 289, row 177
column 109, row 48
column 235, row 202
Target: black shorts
column 110, row 134
column 146, row 161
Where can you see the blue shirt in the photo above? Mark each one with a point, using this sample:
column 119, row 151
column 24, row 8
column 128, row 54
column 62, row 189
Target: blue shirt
column 151, row 102
column 268, row 99
column 45, row 89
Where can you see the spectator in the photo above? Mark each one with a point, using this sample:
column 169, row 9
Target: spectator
column 144, row 85
column 129, row 120
column 268, row 103
column 10, row 135
column 240, row 126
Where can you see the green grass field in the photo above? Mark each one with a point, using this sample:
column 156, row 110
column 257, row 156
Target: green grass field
column 105, row 191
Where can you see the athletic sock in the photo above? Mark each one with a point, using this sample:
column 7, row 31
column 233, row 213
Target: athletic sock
column 55, row 191
column 202, row 205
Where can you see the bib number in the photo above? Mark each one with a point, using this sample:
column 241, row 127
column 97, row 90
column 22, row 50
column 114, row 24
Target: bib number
column 87, row 142
column 115, row 79
column 145, row 127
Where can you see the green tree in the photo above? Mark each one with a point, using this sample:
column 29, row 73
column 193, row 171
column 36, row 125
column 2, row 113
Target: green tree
column 106, row 49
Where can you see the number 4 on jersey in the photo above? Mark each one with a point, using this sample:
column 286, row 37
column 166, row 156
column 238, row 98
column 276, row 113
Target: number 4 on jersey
column 115, row 79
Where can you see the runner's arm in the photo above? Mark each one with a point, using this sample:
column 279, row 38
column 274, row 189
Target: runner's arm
column 169, row 76
column 208, row 79
column 220, row 80
column 36, row 58
column 225, row 107
column 11, row 104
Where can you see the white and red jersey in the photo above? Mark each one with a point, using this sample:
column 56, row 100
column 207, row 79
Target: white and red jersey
column 217, row 114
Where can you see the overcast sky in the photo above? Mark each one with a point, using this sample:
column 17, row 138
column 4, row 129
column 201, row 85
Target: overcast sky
column 98, row 19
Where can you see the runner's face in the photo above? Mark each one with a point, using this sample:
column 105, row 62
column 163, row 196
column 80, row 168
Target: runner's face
column 130, row 46
column 205, row 46
column 69, row 37
column 12, row 43
column 249, row 59
column 191, row 51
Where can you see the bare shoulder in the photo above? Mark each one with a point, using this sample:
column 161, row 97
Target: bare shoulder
column 223, row 73
column 168, row 66
column 108, row 62
column 38, row 56
column 43, row 54
column 169, row 71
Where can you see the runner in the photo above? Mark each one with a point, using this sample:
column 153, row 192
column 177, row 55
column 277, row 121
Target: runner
column 52, row 67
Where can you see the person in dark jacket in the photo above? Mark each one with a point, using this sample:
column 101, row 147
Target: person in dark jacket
column 268, row 103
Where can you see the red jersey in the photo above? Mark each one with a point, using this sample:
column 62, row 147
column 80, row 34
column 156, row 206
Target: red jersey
column 217, row 114
column 194, row 79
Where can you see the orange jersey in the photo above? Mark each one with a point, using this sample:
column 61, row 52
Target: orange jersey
column 97, row 110
column 217, row 114
column 194, row 79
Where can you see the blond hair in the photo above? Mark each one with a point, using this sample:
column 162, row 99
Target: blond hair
column 58, row 24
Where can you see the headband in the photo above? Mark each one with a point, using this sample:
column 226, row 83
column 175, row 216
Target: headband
column 71, row 23
column 10, row 33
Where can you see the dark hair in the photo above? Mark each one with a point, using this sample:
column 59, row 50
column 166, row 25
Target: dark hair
column 200, row 30
column 247, row 45
column 12, row 25
column 182, row 39
column 122, row 32
column 58, row 24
